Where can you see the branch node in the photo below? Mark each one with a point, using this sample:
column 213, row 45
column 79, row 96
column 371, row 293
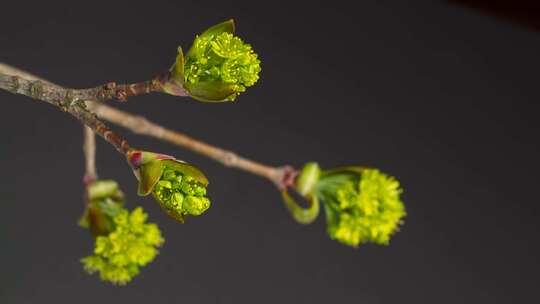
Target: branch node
column 88, row 179
column 110, row 86
column 121, row 95
column 286, row 177
column 228, row 158
column 106, row 91
column 68, row 100
column 15, row 83
column 36, row 89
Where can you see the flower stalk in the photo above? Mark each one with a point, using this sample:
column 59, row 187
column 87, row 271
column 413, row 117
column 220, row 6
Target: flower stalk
column 89, row 149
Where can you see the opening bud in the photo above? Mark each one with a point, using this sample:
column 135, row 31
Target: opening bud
column 179, row 187
column 362, row 205
column 218, row 66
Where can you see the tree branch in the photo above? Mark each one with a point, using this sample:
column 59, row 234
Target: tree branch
column 282, row 177
column 67, row 100
column 122, row 92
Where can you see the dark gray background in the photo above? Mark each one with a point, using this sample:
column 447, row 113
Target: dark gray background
column 441, row 97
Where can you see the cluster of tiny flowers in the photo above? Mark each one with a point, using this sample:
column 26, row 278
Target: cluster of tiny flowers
column 368, row 210
column 132, row 244
column 224, row 58
column 181, row 194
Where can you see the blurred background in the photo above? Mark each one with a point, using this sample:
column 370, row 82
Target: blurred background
column 442, row 95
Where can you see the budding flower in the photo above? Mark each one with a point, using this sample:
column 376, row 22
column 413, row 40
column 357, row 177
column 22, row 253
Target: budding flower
column 123, row 241
column 218, row 66
column 362, row 205
column 131, row 244
column 104, row 199
column 179, row 187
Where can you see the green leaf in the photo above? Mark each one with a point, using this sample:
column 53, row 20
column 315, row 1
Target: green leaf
column 223, row 27
column 110, row 207
column 186, row 169
column 102, row 188
column 212, row 32
column 308, row 178
column 177, row 70
column 149, row 176
column 345, row 169
column 172, row 213
column 332, row 219
column 98, row 222
column 212, row 91
column 84, row 221
column 300, row 214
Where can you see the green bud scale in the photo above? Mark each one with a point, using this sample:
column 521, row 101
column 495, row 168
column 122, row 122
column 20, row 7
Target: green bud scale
column 104, row 201
column 308, row 178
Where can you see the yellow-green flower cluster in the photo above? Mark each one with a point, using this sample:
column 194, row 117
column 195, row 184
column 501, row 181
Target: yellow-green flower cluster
column 362, row 205
column 218, row 66
column 365, row 209
column 225, row 58
column 119, row 255
column 181, row 194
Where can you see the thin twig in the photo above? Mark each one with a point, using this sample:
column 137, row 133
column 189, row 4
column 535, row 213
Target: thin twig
column 89, row 149
column 282, row 177
column 122, row 92
column 66, row 100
